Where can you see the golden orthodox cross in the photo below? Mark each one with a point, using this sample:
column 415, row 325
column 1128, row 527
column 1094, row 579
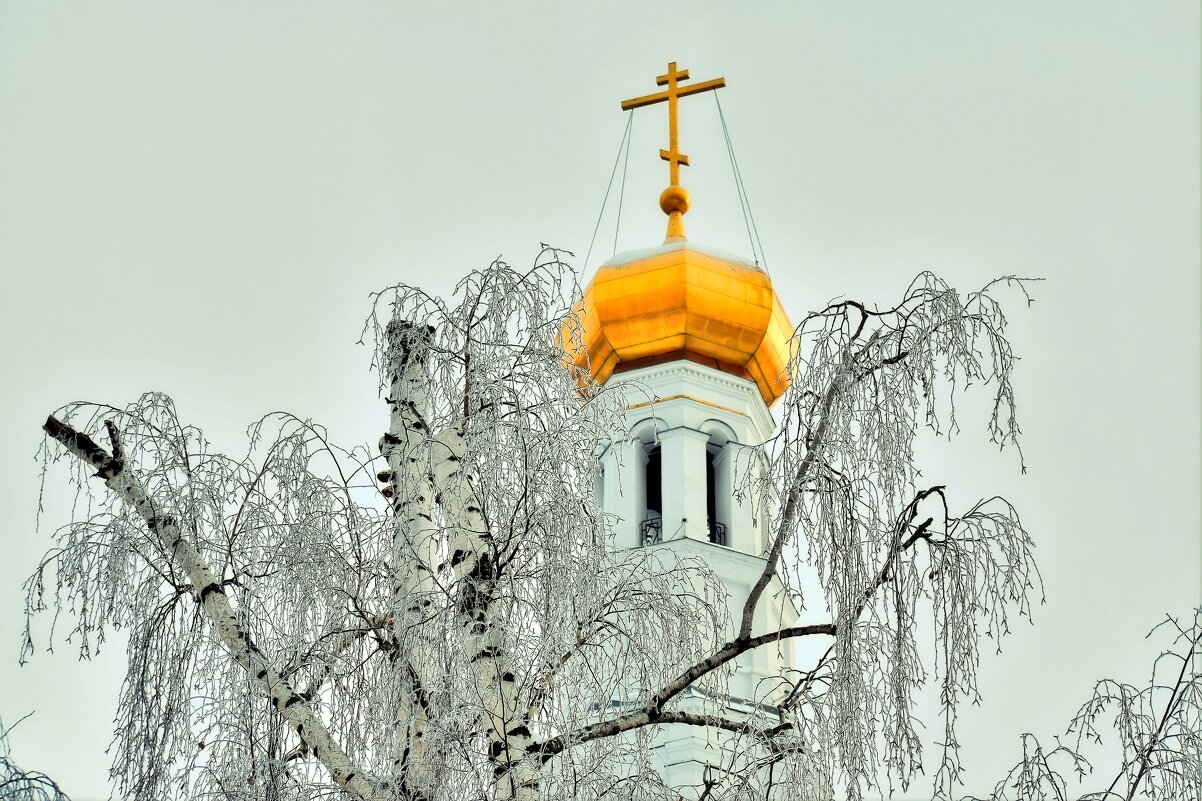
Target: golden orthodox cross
column 674, row 91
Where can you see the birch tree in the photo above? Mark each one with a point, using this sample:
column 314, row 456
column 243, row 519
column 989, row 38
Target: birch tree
column 444, row 616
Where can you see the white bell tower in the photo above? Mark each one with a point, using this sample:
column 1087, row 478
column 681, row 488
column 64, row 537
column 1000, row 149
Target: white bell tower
column 687, row 478
column 701, row 341
column 685, row 472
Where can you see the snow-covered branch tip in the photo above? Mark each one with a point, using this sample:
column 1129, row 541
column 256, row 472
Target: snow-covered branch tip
column 1157, row 728
column 23, row 785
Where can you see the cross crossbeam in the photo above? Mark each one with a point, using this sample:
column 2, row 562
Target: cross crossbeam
column 672, row 94
column 684, row 91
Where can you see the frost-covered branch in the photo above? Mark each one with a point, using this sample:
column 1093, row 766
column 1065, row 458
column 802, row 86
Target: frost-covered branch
column 1158, row 729
column 865, row 382
column 23, row 785
column 652, row 712
column 210, row 594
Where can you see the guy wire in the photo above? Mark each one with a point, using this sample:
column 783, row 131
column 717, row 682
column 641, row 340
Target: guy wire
column 608, row 186
column 744, row 201
column 622, row 190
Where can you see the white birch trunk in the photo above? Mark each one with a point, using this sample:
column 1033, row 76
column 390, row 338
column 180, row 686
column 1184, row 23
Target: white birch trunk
column 472, row 559
column 414, row 546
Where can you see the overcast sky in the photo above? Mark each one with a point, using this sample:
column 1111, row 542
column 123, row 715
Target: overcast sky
column 198, row 199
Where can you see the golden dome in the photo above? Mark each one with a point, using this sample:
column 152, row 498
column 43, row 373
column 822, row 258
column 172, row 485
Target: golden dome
column 683, row 301
column 679, row 300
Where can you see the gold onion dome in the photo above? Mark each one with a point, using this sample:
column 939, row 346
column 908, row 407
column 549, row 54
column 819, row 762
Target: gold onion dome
column 685, row 301
column 681, row 300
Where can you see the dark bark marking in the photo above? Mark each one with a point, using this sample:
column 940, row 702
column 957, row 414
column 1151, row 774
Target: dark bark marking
column 77, row 440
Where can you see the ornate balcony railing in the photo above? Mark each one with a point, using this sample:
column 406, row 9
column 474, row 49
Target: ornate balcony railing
column 652, row 530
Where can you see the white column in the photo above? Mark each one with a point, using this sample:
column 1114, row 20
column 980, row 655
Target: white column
column 737, row 461
column 624, row 464
column 683, row 454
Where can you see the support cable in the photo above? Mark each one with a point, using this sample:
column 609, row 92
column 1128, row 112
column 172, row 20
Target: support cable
column 753, row 233
column 735, row 173
column 622, row 190
column 622, row 144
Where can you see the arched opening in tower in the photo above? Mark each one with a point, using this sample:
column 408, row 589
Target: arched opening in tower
column 720, row 449
column 653, row 492
column 715, row 513
column 655, row 484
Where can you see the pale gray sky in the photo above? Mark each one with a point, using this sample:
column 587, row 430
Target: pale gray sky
column 199, row 199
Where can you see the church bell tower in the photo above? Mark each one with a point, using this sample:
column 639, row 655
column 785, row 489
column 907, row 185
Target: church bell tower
column 702, row 340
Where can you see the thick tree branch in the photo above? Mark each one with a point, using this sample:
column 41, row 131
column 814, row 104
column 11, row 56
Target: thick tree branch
column 211, row 596
column 793, row 496
column 652, row 712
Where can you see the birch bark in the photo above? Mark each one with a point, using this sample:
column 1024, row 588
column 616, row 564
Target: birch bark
column 476, row 565
column 414, row 549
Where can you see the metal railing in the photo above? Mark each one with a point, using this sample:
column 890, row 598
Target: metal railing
column 652, row 530
column 717, row 533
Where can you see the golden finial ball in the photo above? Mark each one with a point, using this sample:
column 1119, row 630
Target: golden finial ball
column 674, row 198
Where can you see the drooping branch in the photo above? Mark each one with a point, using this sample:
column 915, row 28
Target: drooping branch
column 120, row 477
column 1158, row 729
column 23, row 785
